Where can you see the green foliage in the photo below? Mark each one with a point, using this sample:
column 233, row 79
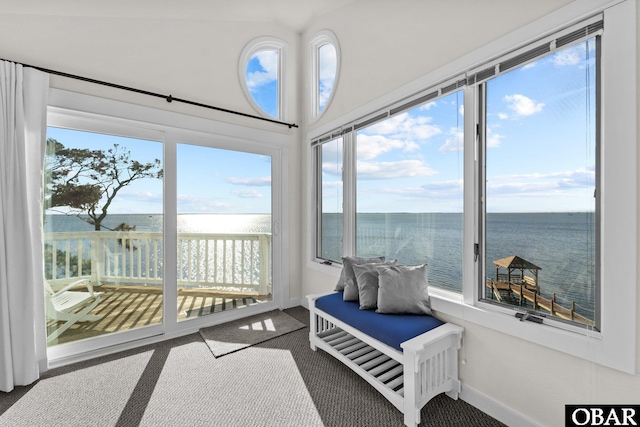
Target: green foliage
column 87, row 181
column 61, row 264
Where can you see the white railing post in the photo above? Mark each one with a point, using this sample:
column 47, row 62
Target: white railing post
column 97, row 258
column 265, row 265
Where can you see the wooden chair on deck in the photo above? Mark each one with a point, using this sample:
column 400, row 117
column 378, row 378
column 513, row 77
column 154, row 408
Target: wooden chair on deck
column 70, row 306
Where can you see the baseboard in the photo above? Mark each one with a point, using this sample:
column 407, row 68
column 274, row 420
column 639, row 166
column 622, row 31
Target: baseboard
column 494, row 408
column 293, row 302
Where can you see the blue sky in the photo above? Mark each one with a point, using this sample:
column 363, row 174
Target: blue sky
column 262, row 80
column 540, row 149
column 210, row 180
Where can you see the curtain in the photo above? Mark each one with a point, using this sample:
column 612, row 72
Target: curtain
column 23, row 106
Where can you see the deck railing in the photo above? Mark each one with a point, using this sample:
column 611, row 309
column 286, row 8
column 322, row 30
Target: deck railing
column 237, row 261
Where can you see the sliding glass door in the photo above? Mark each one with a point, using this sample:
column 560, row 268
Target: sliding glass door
column 103, row 234
column 156, row 230
column 224, row 222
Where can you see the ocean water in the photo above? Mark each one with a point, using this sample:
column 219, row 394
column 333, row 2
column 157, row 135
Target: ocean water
column 189, row 223
column 561, row 244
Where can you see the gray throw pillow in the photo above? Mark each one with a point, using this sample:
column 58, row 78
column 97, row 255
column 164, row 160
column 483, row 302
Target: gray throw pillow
column 403, row 289
column 347, row 272
column 367, row 281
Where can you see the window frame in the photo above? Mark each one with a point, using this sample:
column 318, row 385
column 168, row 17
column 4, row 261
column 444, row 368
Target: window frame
column 257, row 45
column 480, row 94
column 322, row 38
column 614, row 345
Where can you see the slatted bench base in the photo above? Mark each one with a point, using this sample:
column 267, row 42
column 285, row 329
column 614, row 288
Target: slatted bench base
column 383, row 372
column 427, row 366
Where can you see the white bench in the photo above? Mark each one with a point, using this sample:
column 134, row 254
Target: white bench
column 427, row 366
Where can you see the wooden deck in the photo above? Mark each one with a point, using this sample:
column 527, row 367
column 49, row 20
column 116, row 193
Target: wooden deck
column 128, row 307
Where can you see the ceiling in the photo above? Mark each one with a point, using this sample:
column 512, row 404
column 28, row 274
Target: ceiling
column 292, row 14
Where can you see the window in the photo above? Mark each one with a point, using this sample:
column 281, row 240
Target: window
column 540, row 185
column 549, row 194
column 325, row 65
column 405, row 168
column 262, row 79
column 409, row 189
column 330, row 213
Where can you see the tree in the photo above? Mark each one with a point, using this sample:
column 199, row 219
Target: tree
column 87, row 181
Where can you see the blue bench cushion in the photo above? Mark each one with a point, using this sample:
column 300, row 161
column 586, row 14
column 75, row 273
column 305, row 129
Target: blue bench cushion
column 391, row 329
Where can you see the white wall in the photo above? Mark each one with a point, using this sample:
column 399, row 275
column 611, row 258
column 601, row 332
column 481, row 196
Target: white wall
column 384, row 48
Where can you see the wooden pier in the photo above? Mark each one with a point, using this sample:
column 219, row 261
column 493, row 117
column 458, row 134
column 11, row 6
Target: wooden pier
column 520, row 293
column 514, row 287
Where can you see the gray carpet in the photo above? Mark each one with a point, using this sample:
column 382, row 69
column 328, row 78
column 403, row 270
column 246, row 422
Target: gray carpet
column 279, row 382
column 233, row 336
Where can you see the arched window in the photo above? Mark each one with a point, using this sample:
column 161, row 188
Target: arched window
column 325, row 65
column 261, row 75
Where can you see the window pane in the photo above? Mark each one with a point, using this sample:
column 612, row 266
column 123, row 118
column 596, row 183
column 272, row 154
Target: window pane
column 327, row 67
column 409, row 189
column 103, row 227
column 331, row 185
column 224, row 230
column 262, row 80
column 540, row 184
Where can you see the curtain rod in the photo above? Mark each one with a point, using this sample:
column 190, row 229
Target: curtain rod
column 168, row 98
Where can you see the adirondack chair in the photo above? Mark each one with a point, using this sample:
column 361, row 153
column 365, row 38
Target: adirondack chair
column 70, row 306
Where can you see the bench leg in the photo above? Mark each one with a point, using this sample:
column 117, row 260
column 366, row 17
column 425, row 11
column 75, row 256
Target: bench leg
column 312, row 326
column 411, row 413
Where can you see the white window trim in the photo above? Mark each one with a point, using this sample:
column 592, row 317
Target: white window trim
column 86, row 112
column 323, row 37
column 253, row 47
column 615, row 346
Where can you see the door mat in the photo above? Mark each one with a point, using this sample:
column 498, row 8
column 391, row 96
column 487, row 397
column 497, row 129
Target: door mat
column 226, row 304
column 242, row 333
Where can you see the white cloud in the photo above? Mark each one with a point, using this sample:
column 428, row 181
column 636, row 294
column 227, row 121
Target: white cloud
column 188, row 203
column 542, row 183
column 330, row 168
column 331, row 185
column 141, row 196
column 390, row 170
column 454, row 143
column 441, row 190
column 493, row 139
column 579, row 177
column 371, row 146
column 522, row 105
column 250, row 193
column 503, row 116
column 428, row 106
column 327, row 61
column 403, row 126
column 262, row 181
column 268, row 60
column 570, row 56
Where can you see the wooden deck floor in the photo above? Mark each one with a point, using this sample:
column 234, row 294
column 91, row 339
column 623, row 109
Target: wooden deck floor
column 128, row 307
